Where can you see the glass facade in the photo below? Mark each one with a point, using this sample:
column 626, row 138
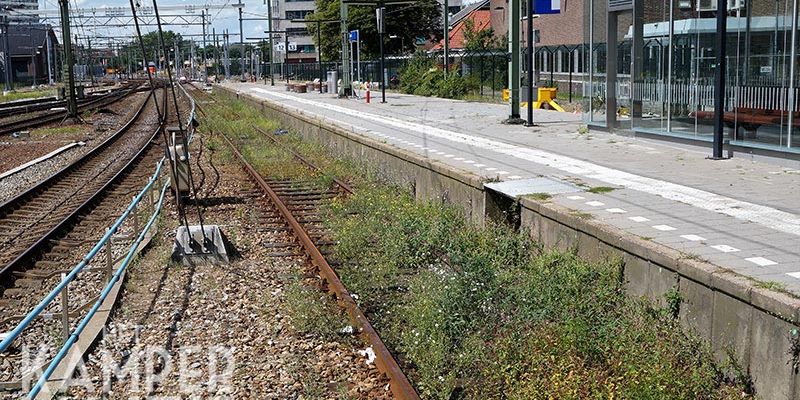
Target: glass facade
column 669, row 48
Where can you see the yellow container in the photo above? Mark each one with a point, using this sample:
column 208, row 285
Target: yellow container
column 506, row 94
column 546, row 94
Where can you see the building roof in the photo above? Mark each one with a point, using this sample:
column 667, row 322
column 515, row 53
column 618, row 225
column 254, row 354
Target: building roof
column 481, row 19
column 457, row 17
column 24, row 36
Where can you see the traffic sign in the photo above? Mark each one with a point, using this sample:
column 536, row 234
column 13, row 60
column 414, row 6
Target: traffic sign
column 354, row 36
column 546, row 6
column 279, row 47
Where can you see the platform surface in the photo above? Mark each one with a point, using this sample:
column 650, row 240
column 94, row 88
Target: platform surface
column 742, row 213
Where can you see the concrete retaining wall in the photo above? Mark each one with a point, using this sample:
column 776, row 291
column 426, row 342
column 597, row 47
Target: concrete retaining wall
column 729, row 310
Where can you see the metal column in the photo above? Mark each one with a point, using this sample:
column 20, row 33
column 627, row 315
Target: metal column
column 271, row 47
column 69, row 60
column 446, row 39
column 719, row 79
column 343, row 33
column 611, row 70
column 637, row 62
column 514, row 53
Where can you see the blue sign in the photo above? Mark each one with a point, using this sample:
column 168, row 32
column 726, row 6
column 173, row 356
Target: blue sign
column 546, row 6
column 354, row 36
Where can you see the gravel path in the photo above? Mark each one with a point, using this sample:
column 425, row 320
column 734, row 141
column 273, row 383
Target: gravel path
column 226, row 331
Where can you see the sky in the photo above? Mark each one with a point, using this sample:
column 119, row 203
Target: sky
column 226, row 18
column 221, row 19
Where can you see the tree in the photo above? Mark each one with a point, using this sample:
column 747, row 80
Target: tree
column 409, row 21
column 152, row 46
column 479, row 39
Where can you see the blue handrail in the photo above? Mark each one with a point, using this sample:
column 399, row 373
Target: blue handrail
column 14, row 334
column 79, row 329
column 36, row 311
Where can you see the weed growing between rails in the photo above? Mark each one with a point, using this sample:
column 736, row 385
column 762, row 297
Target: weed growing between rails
column 232, row 115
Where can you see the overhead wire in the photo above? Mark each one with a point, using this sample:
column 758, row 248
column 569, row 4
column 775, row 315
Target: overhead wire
column 163, row 118
column 180, row 125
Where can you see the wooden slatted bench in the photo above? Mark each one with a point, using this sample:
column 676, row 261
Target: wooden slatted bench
column 749, row 118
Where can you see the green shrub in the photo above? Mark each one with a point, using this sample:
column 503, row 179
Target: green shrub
column 454, row 87
column 422, row 77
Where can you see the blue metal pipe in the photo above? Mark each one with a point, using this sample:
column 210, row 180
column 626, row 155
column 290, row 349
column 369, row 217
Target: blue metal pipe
column 14, row 334
column 79, row 329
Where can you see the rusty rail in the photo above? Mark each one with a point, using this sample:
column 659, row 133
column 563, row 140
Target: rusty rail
column 400, row 385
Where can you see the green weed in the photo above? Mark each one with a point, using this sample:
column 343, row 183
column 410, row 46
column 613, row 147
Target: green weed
column 601, row 189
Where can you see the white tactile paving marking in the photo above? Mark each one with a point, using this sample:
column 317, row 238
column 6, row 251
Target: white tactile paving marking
column 639, row 219
column 459, row 159
column 794, row 274
column 664, row 228
column 725, row 248
column 469, row 162
column 595, row 203
column 502, row 172
column 480, row 165
column 514, row 177
column 761, row 261
column 449, row 155
column 575, row 197
column 693, row 238
column 491, row 169
column 616, row 210
column 760, row 214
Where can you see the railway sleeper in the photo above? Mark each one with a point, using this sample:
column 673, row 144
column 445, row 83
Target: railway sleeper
column 8, row 303
column 27, row 282
column 68, row 242
column 15, row 292
column 51, row 264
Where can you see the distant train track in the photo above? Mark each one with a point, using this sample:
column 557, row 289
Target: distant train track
column 33, row 222
column 38, row 119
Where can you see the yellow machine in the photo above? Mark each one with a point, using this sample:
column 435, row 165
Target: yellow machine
column 543, row 96
column 548, row 96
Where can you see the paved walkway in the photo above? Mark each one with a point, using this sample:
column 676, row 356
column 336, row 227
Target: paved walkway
column 742, row 213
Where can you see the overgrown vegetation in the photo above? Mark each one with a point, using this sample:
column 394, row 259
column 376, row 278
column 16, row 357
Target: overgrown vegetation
column 483, row 312
column 422, row 77
column 27, row 94
column 312, row 312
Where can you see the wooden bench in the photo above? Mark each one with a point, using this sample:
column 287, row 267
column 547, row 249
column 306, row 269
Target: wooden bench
column 749, row 118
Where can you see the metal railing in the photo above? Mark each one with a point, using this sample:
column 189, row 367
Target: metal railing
column 114, row 278
column 105, row 241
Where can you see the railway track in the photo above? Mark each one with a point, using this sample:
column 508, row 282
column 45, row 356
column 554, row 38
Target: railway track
column 43, row 118
column 293, row 210
column 36, row 220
